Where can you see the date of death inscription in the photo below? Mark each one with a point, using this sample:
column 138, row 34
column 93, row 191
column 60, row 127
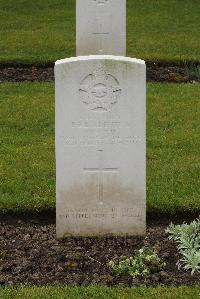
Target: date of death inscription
column 94, row 132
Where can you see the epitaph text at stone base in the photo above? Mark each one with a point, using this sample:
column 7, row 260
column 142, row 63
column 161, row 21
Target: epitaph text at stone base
column 100, row 146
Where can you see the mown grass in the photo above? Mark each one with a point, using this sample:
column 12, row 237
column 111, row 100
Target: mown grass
column 97, row 292
column 44, row 31
column 27, row 147
column 173, row 157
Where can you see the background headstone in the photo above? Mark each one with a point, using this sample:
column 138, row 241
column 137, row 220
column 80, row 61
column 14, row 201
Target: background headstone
column 101, row 27
column 100, row 146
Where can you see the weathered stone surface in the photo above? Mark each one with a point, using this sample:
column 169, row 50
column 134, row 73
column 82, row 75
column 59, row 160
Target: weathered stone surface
column 100, row 146
column 101, row 27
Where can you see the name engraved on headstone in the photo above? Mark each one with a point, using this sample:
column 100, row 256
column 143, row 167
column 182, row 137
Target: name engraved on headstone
column 99, row 131
column 106, row 130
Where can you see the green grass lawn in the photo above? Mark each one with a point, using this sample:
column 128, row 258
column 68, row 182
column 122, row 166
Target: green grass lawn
column 27, row 147
column 97, row 292
column 44, row 31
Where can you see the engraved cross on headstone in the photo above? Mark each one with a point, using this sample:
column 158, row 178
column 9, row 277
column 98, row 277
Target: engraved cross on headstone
column 100, row 30
column 100, row 170
column 100, row 27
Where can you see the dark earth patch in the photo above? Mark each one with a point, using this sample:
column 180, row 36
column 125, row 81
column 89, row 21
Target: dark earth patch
column 156, row 72
column 30, row 253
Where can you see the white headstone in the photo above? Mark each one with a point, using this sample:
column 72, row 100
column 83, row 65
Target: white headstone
column 101, row 27
column 100, row 146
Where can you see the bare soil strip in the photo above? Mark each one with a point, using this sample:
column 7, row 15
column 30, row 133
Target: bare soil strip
column 30, row 253
column 156, row 72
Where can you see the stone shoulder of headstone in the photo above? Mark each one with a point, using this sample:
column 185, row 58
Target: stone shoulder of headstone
column 100, row 57
column 100, row 146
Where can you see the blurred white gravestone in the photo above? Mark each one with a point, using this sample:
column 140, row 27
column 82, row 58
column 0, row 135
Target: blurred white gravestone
column 101, row 27
column 100, row 146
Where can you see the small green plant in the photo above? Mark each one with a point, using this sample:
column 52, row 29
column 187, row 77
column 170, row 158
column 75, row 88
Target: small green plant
column 144, row 262
column 193, row 72
column 187, row 236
